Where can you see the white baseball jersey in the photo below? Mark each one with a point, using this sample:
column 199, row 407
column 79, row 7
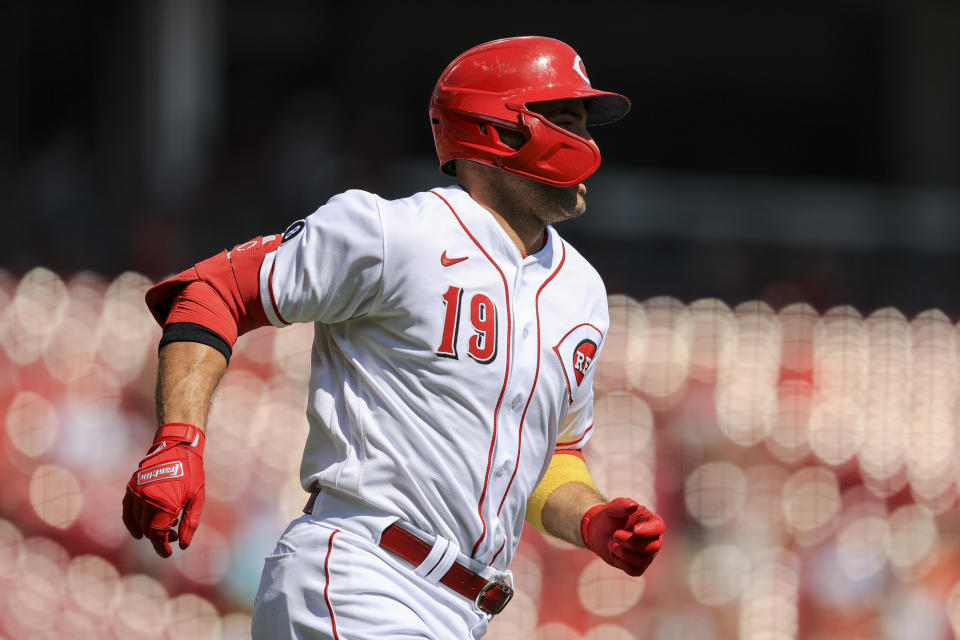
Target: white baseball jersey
column 446, row 365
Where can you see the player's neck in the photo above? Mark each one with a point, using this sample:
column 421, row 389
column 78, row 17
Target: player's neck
column 524, row 229
column 528, row 238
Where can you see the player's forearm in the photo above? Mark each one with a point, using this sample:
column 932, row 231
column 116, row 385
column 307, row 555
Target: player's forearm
column 187, row 376
column 565, row 508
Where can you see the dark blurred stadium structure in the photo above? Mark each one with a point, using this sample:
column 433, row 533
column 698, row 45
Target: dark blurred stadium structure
column 784, row 200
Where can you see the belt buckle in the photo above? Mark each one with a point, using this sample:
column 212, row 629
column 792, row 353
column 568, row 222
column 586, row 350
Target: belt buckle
column 490, row 585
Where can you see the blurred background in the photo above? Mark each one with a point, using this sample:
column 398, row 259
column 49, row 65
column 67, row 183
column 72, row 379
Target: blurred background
column 777, row 222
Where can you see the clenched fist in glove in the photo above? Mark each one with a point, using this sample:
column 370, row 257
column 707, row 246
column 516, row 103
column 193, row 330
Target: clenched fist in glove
column 168, row 481
column 625, row 534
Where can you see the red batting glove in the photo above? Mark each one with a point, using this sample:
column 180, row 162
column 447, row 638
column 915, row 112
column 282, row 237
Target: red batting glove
column 168, row 481
column 625, row 534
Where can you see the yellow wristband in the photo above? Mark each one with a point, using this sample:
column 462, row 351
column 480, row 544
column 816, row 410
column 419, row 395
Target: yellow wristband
column 564, row 469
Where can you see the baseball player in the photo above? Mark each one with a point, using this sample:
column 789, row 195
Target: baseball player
column 452, row 364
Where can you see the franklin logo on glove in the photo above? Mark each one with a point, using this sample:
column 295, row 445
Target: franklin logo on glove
column 160, row 472
column 169, row 482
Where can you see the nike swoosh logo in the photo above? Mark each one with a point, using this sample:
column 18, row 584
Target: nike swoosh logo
column 445, row 261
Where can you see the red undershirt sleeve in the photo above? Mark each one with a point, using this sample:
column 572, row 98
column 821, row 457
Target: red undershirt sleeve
column 216, row 300
column 199, row 314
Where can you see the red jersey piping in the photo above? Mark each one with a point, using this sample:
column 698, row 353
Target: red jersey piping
column 273, row 300
column 536, row 374
column 567, row 444
column 326, row 586
column 497, row 553
column 506, row 374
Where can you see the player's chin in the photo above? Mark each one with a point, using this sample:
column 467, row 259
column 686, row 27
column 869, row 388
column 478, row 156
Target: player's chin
column 581, row 206
column 562, row 203
column 575, row 207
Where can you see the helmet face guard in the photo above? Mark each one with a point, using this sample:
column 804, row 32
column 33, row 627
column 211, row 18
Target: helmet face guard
column 492, row 86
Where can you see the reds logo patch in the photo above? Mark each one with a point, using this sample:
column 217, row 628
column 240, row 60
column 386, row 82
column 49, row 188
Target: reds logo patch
column 160, row 472
column 576, row 351
column 583, row 357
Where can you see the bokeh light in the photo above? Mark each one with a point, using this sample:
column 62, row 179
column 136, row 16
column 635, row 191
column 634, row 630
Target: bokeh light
column 289, row 354
column 235, row 626
column 607, row 591
column 94, row 585
column 862, row 547
column 70, row 353
column 840, row 353
column 40, row 589
column 231, row 442
column 625, row 344
column 142, row 610
column 624, row 448
column 835, row 430
column 746, row 396
column 31, row 423
column 811, row 504
column 761, row 520
column 55, row 495
column 912, row 543
column 630, row 421
column 210, row 559
column 192, row 618
column 684, row 621
column 11, row 549
column 527, row 568
column 128, row 333
column 715, row 492
column 280, row 449
column 93, row 400
column 888, row 394
column 518, row 621
column 712, row 341
column 788, row 440
column 556, row 631
column 798, row 322
column 931, row 430
column 99, row 512
column 661, row 375
column 718, row 574
column 609, row 632
column 40, row 294
column 769, row 602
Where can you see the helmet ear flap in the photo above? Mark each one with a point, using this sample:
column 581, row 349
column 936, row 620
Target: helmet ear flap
column 465, row 135
column 554, row 155
column 511, row 139
column 503, row 140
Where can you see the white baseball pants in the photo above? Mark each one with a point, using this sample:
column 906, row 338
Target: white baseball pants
column 326, row 583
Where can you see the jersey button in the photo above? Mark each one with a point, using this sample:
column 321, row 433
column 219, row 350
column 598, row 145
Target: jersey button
column 515, row 403
column 526, row 331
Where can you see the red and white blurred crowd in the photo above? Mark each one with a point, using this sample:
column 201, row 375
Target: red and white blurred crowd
column 806, row 465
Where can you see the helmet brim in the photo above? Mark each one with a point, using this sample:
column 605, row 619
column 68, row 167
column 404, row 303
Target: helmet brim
column 604, row 108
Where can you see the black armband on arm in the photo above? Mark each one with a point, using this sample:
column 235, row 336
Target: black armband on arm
column 193, row 332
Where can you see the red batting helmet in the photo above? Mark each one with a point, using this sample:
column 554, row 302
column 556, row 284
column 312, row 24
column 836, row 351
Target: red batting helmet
column 492, row 85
